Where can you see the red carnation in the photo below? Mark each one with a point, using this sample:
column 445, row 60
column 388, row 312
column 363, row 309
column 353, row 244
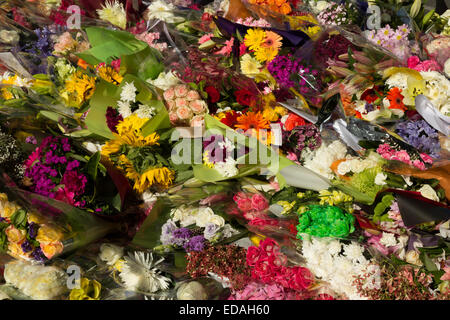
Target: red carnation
column 213, row 94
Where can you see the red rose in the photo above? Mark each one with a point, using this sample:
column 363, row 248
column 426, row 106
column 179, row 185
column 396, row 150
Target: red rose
column 245, row 97
column 213, row 94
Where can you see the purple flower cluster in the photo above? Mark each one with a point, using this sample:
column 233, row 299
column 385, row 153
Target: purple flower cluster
column 171, row 235
column 38, row 255
column 196, row 243
column 290, row 72
column 420, row 135
column 300, row 138
column 54, row 174
column 282, row 67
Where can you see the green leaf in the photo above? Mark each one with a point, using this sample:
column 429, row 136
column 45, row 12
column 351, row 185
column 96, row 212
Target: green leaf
column 19, row 219
column 428, row 263
column 92, row 165
column 116, row 202
column 427, row 17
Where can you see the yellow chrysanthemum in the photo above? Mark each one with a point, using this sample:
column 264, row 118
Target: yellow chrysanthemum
column 108, row 73
column 153, row 176
column 249, row 66
column 265, row 54
column 254, row 38
column 81, row 85
column 113, row 12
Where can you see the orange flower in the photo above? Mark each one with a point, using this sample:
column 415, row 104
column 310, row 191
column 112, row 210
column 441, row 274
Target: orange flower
column 285, row 8
column 272, row 40
column 396, row 99
column 252, row 120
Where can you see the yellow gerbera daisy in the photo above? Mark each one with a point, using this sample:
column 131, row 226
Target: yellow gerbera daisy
column 81, row 85
column 254, row 38
column 249, row 66
column 265, row 54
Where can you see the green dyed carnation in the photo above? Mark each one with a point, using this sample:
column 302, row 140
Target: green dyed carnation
column 325, row 221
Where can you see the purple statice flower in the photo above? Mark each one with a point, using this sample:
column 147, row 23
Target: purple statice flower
column 32, row 230
column 420, row 135
column 26, row 246
column 196, row 243
column 38, row 255
column 210, row 230
column 113, row 117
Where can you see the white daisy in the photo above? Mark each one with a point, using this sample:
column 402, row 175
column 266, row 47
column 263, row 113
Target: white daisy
column 145, row 112
column 113, row 12
column 139, row 273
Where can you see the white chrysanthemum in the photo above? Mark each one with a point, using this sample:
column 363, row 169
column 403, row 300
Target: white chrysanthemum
column 227, row 145
column 165, row 80
column 447, row 66
column 145, row 112
column 113, row 12
column 321, row 160
column 36, row 281
column 124, row 108
column 388, row 239
column 140, row 273
column 128, row 92
column 334, row 247
column 380, row 179
column 162, row 11
column 228, row 168
column 353, row 251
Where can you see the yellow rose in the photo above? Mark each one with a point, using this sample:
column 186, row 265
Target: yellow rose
column 89, row 290
column 48, row 234
column 15, row 250
column 15, row 235
column 8, row 210
column 33, row 217
column 51, row 249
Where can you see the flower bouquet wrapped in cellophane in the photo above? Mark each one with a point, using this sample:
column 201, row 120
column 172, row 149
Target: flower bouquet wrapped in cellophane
column 36, row 228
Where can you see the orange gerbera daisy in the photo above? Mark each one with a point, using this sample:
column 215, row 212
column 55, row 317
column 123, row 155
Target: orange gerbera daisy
column 395, row 98
column 252, row 121
column 272, row 40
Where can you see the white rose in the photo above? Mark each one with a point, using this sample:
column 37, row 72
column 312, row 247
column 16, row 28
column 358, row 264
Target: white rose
column 217, row 220
column 444, row 229
column 428, row 192
column 110, row 253
column 412, row 256
column 191, row 291
column 203, row 217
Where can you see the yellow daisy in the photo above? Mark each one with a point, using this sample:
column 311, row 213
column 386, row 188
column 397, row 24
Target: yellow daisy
column 108, row 73
column 266, row 54
column 254, row 38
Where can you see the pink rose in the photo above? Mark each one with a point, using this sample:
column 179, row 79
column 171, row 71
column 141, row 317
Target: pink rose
column 244, row 204
column 192, row 95
column 269, row 246
column 419, row 164
column 171, row 104
column 181, row 90
column 198, row 106
column 184, row 113
column 169, row 94
column 181, row 102
column 173, row 117
column 259, row 203
column 253, row 256
column 197, row 121
column 426, row 158
column 292, row 156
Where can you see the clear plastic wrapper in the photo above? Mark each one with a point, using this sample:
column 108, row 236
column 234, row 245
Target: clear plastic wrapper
column 37, row 229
